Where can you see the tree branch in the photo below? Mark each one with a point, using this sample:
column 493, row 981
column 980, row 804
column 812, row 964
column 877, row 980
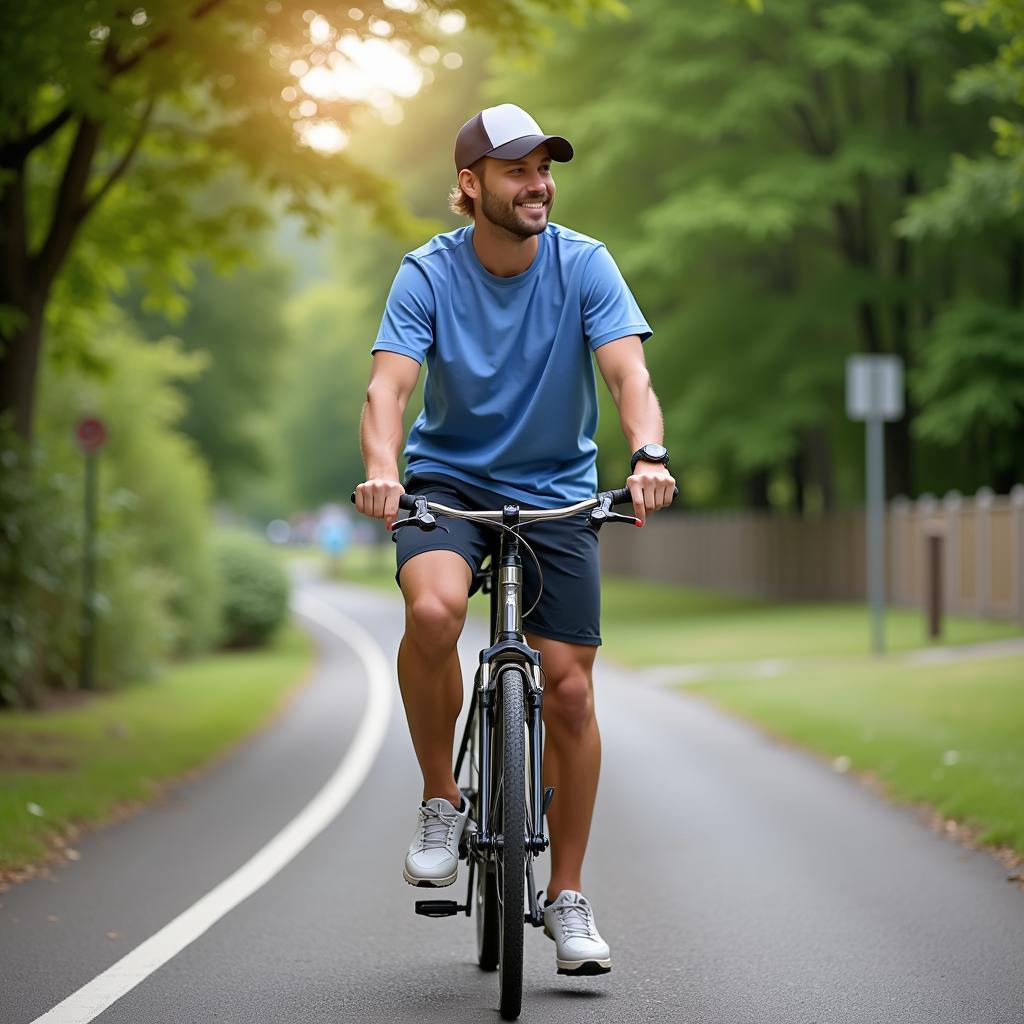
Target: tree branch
column 46, row 263
column 817, row 144
column 16, row 151
column 121, row 166
column 119, row 67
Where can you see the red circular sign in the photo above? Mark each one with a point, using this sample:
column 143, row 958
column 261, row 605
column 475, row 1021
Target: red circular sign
column 92, row 433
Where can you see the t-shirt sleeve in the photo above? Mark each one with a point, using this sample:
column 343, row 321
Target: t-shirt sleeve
column 609, row 309
column 408, row 323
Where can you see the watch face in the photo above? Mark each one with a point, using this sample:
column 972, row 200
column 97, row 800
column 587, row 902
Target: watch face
column 655, row 452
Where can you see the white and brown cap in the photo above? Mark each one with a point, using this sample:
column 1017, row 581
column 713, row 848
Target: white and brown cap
column 506, row 132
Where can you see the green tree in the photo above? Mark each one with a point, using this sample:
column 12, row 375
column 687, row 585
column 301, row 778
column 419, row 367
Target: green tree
column 235, row 320
column 111, row 117
column 1000, row 79
column 747, row 170
column 971, row 374
column 329, row 325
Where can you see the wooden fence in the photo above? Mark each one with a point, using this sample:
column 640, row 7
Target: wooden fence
column 764, row 555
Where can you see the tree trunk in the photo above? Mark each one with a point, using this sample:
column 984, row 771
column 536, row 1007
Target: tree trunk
column 1015, row 273
column 19, row 370
column 26, row 277
column 18, row 355
column 798, row 474
column 819, row 466
column 899, row 454
column 757, row 490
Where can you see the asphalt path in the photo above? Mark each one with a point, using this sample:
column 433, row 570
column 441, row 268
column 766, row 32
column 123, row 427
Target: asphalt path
column 736, row 880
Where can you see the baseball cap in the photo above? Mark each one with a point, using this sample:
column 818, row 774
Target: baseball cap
column 506, row 132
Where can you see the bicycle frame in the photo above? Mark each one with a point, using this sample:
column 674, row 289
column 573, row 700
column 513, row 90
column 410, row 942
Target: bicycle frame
column 507, row 646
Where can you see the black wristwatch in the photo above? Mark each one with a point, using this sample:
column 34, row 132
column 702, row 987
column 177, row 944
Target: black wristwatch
column 649, row 453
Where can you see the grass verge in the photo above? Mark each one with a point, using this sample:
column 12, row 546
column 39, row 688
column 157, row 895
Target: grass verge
column 80, row 765
column 944, row 735
column 646, row 623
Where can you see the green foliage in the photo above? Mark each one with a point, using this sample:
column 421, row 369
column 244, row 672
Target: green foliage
column 234, row 319
column 978, row 194
column 192, row 90
column 156, row 590
column 40, row 551
column 1001, row 78
column 746, row 172
column 973, row 376
column 160, row 484
column 254, row 588
column 332, row 328
column 43, row 608
column 983, row 190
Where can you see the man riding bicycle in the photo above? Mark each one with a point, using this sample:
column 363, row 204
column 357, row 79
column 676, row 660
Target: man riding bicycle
column 506, row 313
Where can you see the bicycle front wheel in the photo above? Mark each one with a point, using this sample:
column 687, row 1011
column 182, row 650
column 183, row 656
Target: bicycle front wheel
column 511, row 859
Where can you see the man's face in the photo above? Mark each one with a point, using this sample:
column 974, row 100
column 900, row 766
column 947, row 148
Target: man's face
column 517, row 195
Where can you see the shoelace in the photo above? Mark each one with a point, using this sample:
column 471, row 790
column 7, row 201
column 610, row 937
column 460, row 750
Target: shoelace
column 577, row 921
column 437, row 828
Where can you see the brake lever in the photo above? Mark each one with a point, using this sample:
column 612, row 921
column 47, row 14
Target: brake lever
column 604, row 514
column 426, row 521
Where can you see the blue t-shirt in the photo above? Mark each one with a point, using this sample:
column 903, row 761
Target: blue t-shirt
column 509, row 402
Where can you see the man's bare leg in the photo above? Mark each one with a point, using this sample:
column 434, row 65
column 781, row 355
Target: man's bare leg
column 435, row 585
column 572, row 755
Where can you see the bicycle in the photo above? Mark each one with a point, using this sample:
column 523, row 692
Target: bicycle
column 499, row 758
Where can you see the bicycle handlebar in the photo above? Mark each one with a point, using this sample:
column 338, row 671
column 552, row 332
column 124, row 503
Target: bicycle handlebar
column 599, row 506
column 619, row 497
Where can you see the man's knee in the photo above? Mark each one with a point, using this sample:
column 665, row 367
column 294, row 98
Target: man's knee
column 436, row 590
column 435, row 619
column 569, row 701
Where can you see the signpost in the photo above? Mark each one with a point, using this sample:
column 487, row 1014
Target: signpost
column 874, row 394
column 91, row 434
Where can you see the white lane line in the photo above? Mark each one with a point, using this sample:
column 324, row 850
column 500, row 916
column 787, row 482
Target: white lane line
column 93, row 998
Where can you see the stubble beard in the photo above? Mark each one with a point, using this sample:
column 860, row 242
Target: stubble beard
column 504, row 215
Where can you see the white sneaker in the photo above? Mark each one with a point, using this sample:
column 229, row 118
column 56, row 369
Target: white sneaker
column 579, row 949
column 433, row 857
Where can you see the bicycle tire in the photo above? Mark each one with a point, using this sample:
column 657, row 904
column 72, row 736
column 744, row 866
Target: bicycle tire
column 511, row 859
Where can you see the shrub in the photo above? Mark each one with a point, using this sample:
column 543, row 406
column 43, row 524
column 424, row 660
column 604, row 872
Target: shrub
column 254, row 590
column 156, row 589
column 154, row 487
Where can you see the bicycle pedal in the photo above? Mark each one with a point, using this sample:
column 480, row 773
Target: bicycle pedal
column 438, row 908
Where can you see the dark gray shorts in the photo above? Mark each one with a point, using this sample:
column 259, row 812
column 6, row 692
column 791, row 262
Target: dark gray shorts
column 570, row 606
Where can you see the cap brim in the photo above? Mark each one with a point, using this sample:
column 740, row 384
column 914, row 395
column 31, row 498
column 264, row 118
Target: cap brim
column 558, row 148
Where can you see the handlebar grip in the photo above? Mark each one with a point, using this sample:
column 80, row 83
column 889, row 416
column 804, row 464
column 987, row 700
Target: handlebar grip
column 621, row 496
column 406, row 501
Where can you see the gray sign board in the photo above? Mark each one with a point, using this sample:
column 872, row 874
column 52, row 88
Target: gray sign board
column 874, row 388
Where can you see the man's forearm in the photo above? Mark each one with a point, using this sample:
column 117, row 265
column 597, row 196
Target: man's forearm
column 639, row 412
column 381, row 434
